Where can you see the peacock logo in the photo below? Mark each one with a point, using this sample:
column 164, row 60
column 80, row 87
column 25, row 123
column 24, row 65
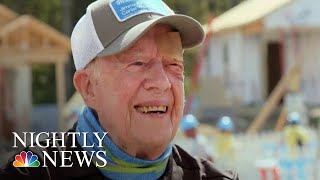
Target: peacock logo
column 26, row 159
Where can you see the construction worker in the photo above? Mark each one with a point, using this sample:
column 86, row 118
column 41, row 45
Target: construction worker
column 195, row 143
column 296, row 136
column 225, row 143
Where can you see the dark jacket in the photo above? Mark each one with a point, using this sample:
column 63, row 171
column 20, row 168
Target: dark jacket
column 181, row 165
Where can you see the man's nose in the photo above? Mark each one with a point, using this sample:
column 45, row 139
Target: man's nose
column 156, row 77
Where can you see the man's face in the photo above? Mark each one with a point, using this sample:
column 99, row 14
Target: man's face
column 139, row 94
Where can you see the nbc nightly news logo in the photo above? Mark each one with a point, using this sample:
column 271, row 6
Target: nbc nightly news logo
column 28, row 159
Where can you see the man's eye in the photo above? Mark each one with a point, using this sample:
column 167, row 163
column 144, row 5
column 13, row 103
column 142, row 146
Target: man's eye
column 136, row 66
column 138, row 63
column 175, row 64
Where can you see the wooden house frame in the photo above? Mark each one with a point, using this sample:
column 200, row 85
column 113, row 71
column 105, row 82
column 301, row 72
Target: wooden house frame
column 24, row 41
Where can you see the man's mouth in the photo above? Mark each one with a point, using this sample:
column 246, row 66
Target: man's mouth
column 151, row 109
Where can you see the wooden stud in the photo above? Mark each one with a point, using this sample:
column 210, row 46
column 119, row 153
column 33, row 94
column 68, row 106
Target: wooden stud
column 281, row 120
column 43, row 30
column 274, row 98
column 253, row 28
column 61, row 94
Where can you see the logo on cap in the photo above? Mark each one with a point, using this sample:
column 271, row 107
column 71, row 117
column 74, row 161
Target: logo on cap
column 125, row 9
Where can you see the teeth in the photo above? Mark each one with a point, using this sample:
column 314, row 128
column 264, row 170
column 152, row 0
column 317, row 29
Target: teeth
column 147, row 109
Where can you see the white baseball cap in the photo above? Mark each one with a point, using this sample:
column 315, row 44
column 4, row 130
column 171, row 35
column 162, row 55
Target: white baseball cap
column 110, row 26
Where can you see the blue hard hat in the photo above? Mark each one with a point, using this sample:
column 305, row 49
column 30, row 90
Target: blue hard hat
column 189, row 121
column 225, row 123
column 294, row 118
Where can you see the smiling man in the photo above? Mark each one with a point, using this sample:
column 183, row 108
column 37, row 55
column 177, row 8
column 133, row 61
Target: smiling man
column 137, row 94
column 129, row 60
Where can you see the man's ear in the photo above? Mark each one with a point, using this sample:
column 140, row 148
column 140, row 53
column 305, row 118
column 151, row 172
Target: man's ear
column 84, row 85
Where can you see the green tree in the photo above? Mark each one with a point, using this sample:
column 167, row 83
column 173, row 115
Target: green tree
column 196, row 9
column 44, row 91
column 218, row 7
column 47, row 11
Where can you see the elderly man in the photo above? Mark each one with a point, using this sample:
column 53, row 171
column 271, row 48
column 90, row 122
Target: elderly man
column 130, row 74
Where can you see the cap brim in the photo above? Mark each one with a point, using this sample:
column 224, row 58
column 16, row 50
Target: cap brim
column 191, row 32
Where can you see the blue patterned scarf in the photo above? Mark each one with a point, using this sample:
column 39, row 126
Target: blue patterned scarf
column 120, row 165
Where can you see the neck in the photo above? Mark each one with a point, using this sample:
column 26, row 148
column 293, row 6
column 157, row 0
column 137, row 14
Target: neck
column 146, row 152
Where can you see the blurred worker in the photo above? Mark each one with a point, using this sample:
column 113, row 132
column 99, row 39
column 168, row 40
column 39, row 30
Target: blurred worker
column 225, row 143
column 195, row 143
column 296, row 136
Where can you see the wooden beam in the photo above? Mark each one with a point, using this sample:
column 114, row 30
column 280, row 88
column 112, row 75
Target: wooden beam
column 253, row 28
column 20, row 60
column 50, row 33
column 19, row 24
column 4, row 42
column 6, row 15
column 2, row 111
column 29, row 23
column 61, row 94
column 281, row 120
column 274, row 98
column 293, row 85
column 45, row 55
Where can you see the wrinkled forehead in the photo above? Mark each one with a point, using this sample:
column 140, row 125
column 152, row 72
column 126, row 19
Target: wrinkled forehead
column 167, row 43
